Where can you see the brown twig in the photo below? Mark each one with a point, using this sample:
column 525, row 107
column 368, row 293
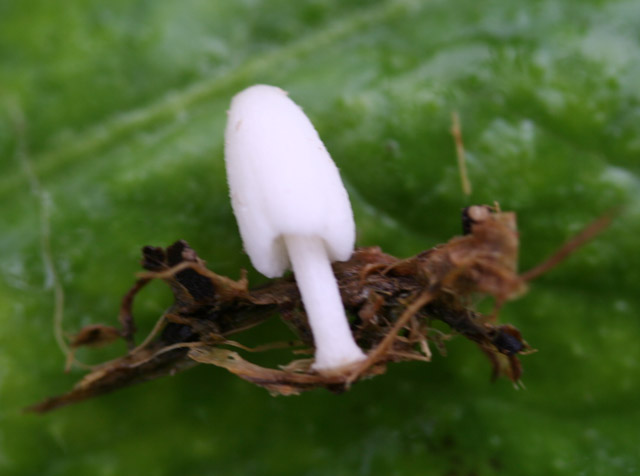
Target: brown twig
column 383, row 347
column 456, row 132
column 586, row 235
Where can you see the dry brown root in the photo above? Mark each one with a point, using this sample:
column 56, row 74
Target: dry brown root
column 393, row 303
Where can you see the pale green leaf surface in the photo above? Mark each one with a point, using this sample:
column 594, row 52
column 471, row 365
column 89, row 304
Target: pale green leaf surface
column 124, row 111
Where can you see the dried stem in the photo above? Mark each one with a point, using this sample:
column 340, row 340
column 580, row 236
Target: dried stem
column 456, row 132
column 586, row 235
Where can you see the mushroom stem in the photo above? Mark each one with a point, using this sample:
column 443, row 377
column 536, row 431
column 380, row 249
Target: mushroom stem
column 335, row 346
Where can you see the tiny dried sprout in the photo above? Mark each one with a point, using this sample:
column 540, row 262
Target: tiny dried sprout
column 456, row 132
column 95, row 335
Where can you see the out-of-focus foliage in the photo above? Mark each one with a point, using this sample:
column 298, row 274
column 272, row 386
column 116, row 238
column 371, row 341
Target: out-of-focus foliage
column 119, row 109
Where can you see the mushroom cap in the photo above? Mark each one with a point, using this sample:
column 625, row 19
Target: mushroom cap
column 282, row 180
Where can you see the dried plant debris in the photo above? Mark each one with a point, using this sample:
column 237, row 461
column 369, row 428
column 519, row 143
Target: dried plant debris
column 393, row 303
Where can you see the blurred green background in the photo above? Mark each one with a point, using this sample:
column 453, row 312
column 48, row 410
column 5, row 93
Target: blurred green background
column 119, row 109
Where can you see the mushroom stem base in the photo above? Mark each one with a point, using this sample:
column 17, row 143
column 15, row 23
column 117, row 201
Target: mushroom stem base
column 334, row 343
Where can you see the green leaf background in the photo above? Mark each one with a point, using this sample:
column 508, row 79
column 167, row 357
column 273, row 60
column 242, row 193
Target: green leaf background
column 119, row 109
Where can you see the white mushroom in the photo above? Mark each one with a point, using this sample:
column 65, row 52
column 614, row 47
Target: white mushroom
column 292, row 210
